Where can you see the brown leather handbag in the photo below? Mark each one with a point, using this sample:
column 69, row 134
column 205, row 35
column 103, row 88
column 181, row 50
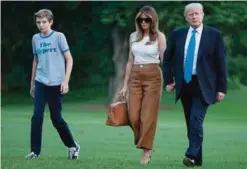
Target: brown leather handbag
column 118, row 113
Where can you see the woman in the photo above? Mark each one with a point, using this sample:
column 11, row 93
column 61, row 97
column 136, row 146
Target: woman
column 144, row 79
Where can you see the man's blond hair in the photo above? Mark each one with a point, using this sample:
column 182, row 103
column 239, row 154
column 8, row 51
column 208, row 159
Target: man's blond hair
column 191, row 6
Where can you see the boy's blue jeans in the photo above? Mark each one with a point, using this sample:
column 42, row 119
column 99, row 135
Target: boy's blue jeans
column 53, row 96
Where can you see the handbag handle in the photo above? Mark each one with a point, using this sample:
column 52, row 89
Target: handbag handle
column 122, row 98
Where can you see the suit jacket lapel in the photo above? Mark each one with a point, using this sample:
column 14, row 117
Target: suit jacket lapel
column 202, row 43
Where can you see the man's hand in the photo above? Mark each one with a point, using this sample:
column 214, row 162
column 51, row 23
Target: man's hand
column 220, row 96
column 64, row 88
column 170, row 87
column 32, row 90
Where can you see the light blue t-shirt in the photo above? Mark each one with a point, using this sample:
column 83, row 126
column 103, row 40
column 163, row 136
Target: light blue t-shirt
column 51, row 62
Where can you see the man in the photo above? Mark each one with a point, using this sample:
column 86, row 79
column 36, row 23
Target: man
column 196, row 57
column 49, row 82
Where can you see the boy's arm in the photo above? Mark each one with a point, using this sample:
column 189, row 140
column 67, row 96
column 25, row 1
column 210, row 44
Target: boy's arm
column 34, row 68
column 64, row 47
column 69, row 65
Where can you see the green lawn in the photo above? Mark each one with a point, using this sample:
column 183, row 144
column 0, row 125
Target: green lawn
column 103, row 147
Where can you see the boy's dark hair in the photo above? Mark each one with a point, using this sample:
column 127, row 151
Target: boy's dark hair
column 44, row 13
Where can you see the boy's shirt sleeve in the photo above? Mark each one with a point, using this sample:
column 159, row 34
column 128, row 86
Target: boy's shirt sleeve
column 63, row 44
column 33, row 46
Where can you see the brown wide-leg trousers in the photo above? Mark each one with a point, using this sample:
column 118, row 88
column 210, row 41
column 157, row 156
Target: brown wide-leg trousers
column 144, row 100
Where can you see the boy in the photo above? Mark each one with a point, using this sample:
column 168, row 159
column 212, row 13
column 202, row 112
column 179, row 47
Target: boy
column 49, row 82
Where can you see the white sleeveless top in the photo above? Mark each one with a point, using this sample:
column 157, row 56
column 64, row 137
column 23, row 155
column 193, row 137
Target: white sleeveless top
column 144, row 54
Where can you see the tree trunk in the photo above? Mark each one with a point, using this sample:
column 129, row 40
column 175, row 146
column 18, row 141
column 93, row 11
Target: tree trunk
column 120, row 58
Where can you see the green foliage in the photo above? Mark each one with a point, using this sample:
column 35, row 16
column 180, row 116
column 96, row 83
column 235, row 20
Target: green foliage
column 88, row 25
column 243, row 37
column 17, row 78
column 72, row 4
column 237, row 68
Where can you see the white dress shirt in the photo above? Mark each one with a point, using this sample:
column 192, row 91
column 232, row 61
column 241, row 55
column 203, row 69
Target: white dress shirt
column 198, row 39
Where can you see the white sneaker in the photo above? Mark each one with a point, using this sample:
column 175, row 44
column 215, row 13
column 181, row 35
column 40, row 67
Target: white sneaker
column 74, row 152
column 32, row 155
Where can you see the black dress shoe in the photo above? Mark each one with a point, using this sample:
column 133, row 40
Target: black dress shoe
column 188, row 162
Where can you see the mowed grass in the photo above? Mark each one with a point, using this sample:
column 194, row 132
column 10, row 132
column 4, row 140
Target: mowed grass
column 104, row 147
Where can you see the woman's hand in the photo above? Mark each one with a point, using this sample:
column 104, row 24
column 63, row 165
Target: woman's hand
column 123, row 91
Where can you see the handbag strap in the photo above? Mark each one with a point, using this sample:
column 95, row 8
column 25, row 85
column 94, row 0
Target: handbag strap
column 122, row 98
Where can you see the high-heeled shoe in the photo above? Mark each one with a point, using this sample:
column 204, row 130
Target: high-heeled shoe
column 146, row 159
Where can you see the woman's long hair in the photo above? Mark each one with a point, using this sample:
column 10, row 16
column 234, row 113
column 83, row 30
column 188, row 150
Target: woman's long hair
column 154, row 25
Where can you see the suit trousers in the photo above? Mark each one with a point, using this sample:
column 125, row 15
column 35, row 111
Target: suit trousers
column 144, row 101
column 195, row 109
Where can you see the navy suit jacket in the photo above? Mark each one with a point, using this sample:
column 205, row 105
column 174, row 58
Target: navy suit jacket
column 211, row 66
